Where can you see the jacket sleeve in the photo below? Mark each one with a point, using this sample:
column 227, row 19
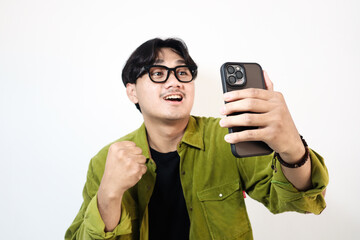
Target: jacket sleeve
column 88, row 223
column 276, row 192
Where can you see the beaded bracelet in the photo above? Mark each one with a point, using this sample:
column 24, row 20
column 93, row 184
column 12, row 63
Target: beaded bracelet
column 298, row 164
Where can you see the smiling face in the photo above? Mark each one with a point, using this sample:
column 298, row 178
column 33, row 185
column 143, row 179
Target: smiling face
column 172, row 100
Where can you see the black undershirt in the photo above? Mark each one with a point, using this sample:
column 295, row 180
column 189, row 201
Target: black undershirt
column 168, row 216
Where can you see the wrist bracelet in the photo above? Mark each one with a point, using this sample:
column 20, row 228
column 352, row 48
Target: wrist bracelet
column 298, row 164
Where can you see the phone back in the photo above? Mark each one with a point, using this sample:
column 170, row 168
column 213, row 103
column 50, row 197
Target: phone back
column 236, row 76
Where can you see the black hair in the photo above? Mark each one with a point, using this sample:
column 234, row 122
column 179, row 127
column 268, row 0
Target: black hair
column 147, row 53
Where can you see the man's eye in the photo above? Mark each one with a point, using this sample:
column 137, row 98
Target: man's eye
column 183, row 73
column 157, row 74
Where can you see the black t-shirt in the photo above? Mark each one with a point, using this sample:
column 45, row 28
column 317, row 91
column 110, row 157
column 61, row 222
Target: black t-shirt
column 168, row 216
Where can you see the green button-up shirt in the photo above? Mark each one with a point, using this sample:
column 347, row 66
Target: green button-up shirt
column 212, row 180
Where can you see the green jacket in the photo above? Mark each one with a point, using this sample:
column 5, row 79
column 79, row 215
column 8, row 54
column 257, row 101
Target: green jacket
column 212, row 180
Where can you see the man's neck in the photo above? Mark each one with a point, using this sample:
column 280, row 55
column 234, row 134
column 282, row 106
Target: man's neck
column 164, row 136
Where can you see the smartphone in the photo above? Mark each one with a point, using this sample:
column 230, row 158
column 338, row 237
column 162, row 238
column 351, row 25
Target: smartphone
column 236, row 76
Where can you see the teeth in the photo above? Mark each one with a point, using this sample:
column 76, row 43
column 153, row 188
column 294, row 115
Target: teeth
column 171, row 97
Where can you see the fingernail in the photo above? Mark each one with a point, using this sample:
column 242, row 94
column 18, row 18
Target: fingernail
column 227, row 138
column 221, row 122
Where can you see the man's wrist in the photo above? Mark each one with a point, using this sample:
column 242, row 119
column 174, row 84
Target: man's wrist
column 295, row 155
column 294, row 161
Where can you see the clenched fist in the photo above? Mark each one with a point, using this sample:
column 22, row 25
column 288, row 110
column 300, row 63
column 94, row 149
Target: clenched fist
column 125, row 165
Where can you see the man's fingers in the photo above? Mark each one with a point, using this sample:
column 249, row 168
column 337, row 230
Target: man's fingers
column 125, row 147
column 247, row 135
column 245, row 119
column 268, row 82
column 248, row 93
column 135, row 150
column 117, row 146
column 246, row 105
column 124, row 144
column 143, row 169
column 140, row 159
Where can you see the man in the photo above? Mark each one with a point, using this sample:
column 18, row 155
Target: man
column 176, row 178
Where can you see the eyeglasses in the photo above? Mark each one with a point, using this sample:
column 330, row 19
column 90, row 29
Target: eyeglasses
column 160, row 73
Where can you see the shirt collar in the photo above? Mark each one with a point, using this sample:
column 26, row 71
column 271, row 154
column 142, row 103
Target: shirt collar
column 193, row 136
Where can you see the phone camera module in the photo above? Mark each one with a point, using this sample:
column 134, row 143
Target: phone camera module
column 235, row 75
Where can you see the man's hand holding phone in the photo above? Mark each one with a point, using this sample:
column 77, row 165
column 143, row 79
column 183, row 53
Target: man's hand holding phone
column 267, row 110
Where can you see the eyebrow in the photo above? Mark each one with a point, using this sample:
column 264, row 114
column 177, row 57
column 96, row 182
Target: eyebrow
column 180, row 61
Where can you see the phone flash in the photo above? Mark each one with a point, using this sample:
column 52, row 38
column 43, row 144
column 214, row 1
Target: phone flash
column 238, row 68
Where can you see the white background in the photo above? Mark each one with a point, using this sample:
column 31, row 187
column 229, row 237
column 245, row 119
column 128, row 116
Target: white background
column 62, row 98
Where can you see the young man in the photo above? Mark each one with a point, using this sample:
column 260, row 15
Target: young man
column 176, row 178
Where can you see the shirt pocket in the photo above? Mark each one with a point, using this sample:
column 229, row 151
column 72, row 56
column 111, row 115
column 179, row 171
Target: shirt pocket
column 225, row 211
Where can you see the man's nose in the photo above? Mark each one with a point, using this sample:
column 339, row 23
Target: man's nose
column 172, row 80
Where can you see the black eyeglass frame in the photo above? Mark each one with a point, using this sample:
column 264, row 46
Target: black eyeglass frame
column 192, row 69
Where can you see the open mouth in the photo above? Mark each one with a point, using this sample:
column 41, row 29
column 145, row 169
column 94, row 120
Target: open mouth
column 174, row 98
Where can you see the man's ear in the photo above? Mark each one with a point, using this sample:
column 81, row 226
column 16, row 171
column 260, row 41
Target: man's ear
column 131, row 92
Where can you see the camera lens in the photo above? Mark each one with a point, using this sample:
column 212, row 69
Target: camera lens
column 230, row 69
column 232, row 80
column 239, row 75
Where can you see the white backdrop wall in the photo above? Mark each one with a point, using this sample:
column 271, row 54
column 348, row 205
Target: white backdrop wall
column 62, row 97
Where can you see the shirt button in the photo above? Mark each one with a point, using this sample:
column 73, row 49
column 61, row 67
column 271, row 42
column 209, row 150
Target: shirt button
column 148, row 187
column 191, row 208
column 220, row 195
column 183, row 172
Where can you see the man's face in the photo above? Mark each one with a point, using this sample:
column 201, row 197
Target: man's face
column 172, row 100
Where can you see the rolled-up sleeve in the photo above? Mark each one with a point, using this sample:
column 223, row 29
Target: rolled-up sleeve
column 272, row 188
column 88, row 223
